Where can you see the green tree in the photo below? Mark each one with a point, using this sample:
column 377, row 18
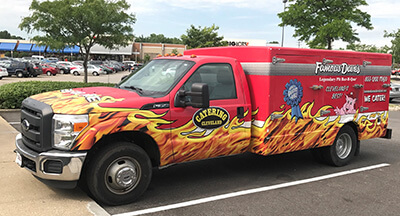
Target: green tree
column 203, row 37
column 367, row 48
column 6, row 35
column 80, row 22
column 175, row 51
column 158, row 38
column 395, row 48
column 320, row 22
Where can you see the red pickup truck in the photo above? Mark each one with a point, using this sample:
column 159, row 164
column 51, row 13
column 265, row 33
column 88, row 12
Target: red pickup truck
column 206, row 103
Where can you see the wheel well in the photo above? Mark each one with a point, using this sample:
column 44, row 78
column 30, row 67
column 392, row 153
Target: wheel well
column 355, row 129
column 141, row 139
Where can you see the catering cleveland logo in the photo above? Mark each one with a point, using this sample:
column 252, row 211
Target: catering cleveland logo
column 211, row 118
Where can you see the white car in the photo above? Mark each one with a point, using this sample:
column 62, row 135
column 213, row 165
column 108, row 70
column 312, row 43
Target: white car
column 3, row 72
column 92, row 69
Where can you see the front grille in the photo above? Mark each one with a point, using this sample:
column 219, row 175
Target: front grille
column 36, row 120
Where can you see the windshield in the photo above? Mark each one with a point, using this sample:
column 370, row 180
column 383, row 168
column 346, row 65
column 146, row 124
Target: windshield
column 158, row 77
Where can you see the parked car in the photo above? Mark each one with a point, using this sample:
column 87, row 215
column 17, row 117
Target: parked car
column 394, row 91
column 106, row 69
column 129, row 64
column 20, row 69
column 96, row 62
column 93, row 70
column 3, row 72
column 64, row 69
column 79, row 62
column 37, row 68
column 53, row 59
column 396, row 71
column 137, row 66
column 50, row 69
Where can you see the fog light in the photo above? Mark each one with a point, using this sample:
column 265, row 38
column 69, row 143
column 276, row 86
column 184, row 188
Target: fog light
column 52, row 166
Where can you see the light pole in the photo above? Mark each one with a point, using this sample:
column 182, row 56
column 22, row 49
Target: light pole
column 283, row 26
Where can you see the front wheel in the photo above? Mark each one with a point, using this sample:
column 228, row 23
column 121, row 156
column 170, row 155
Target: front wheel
column 48, row 73
column 76, row 73
column 343, row 149
column 95, row 73
column 119, row 173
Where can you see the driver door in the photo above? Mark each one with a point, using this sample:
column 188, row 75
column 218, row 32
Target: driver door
column 214, row 131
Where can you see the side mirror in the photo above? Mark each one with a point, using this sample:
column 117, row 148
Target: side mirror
column 199, row 96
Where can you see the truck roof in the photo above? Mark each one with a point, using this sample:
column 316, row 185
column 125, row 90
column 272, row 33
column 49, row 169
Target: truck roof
column 291, row 55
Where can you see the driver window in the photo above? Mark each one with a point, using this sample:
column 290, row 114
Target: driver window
column 220, row 80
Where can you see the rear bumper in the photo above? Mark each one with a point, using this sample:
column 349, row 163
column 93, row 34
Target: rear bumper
column 388, row 134
column 52, row 165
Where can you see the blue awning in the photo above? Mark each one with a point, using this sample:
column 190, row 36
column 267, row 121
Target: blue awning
column 74, row 49
column 53, row 50
column 36, row 48
column 24, row 47
column 7, row 46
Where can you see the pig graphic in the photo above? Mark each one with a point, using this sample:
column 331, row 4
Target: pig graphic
column 348, row 107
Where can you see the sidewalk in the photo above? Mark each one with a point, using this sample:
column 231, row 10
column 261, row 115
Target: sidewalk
column 22, row 194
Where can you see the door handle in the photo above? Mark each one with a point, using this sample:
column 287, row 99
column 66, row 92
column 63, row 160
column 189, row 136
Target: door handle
column 316, row 87
column 386, row 85
column 324, row 112
column 240, row 112
column 276, row 116
column 358, row 86
column 362, row 109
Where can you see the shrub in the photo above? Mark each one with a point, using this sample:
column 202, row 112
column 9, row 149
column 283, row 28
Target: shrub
column 12, row 94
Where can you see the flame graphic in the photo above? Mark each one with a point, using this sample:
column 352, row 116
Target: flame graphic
column 188, row 142
column 285, row 135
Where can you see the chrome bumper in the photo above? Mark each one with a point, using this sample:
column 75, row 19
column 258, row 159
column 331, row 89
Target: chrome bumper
column 71, row 163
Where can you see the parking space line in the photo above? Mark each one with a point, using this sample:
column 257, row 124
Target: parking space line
column 250, row 191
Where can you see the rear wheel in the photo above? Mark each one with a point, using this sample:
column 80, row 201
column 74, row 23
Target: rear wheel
column 95, row 73
column 20, row 74
column 48, row 73
column 119, row 173
column 343, row 149
column 62, row 71
column 76, row 73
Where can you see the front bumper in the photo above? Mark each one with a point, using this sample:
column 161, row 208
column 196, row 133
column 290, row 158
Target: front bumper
column 51, row 165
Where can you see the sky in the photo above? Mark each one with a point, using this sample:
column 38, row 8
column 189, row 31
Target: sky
column 236, row 19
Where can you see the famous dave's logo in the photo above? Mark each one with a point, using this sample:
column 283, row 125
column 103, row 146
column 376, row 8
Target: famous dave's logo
column 343, row 68
column 211, row 118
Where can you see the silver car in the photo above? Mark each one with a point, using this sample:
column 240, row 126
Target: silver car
column 394, row 91
column 3, row 72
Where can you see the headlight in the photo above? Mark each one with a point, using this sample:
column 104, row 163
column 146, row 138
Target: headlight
column 66, row 128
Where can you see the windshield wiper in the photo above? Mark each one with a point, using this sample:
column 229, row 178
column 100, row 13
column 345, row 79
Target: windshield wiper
column 137, row 89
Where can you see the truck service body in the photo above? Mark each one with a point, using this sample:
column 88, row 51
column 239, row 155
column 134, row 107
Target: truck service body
column 219, row 101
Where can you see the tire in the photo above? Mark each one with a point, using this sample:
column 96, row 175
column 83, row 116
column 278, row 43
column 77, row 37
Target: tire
column 1, row 77
column 76, row 73
column 343, row 149
column 54, row 74
column 95, row 73
column 62, row 71
column 19, row 74
column 48, row 73
column 104, row 172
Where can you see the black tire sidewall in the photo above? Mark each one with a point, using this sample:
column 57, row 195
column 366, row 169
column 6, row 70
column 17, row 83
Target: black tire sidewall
column 332, row 156
column 98, row 167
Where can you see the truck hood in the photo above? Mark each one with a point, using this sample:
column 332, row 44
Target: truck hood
column 92, row 100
